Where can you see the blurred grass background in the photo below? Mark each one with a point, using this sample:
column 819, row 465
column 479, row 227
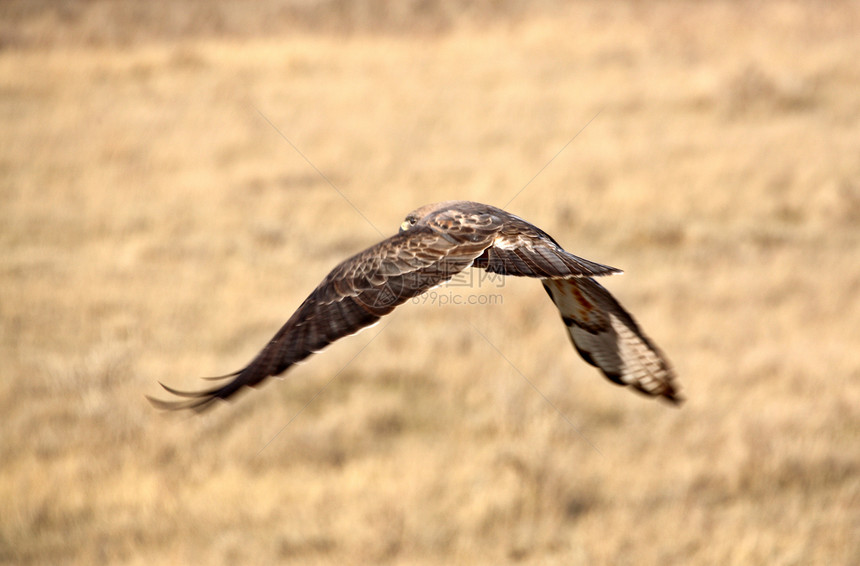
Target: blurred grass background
column 154, row 225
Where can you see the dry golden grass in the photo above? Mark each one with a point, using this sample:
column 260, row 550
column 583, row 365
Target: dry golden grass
column 155, row 226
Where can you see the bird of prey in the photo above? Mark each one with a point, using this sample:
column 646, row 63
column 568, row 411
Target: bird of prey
column 434, row 244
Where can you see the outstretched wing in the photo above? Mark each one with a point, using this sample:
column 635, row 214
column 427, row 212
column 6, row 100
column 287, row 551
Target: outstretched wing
column 353, row 296
column 607, row 337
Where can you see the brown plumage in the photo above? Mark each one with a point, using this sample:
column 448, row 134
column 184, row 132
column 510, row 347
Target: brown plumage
column 435, row 243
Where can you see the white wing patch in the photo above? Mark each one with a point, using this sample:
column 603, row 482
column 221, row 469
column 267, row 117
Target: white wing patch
column 505, row 243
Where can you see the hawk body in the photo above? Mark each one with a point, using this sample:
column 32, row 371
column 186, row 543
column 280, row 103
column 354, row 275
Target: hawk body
column 435, row 243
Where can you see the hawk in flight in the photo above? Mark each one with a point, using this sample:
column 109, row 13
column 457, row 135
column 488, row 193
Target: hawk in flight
column 435, row 243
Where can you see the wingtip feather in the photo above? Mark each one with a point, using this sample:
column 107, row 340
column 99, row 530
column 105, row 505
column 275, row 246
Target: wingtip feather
column 198, row 405
column 186, row 394
column 673, row 398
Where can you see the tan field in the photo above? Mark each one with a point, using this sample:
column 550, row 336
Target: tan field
column 175, row 178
